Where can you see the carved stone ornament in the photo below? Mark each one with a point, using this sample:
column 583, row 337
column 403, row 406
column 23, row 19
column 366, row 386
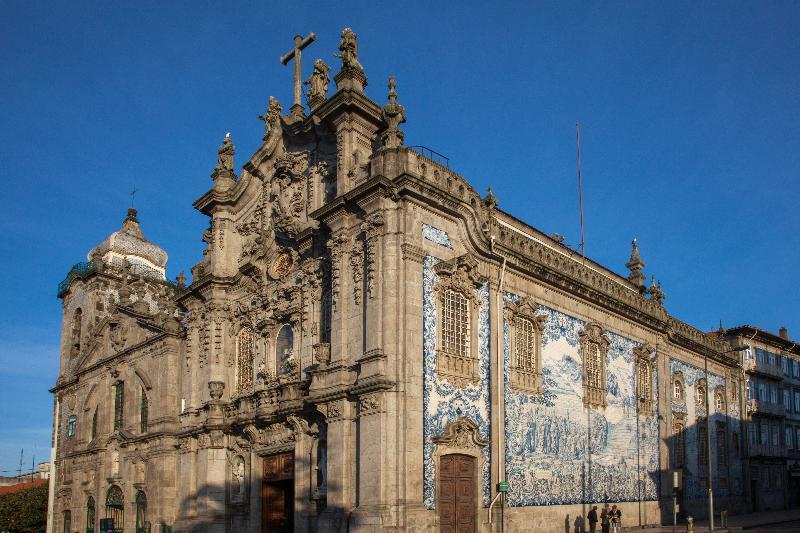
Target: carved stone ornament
column 322, row 353
column 215, row 389
column 459, row 274
column 272, row 117
column 462, row 433
column 281, row 266
column 348, row 46
column 644, row 356
column 370, row 404
column 334, row 410
column 225, row 156
column 117, row 335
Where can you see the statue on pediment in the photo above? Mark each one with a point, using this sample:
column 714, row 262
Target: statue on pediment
column 349, row 48
column 318, row 83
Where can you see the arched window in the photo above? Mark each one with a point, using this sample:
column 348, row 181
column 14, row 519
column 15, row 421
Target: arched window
column 67, row 522
column 244, row 366
column 719, row 400
column 71, row 425
column 77, row 323
column 141, row 512
column 284, row 344
column 700, row 398
column 702, row 445
column 144, row 407
column 677, row 390
column 94, row 424
column 115, row 507
column 90, row 515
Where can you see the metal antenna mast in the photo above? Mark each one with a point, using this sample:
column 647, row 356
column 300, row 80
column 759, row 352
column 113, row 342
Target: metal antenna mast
column 580, row 188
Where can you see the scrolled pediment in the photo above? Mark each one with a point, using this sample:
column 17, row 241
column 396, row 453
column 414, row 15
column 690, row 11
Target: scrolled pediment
column 462, row 433
column 526, row 308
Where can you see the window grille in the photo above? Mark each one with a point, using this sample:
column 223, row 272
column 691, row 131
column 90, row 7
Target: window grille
column 244, row 360
column 702, row 445
column 115, row 507
column 594, row 347
column 143, row 412
column 679, row 452
column 525, row 345
column 94, row 424
column 119, row 401
column 722, row 451
column 455, row 323
column 593, row 377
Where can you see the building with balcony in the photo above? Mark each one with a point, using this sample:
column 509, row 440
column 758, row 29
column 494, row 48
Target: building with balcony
column 771, row 367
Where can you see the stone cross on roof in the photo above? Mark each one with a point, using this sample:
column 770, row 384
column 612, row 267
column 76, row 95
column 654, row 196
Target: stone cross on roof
column 295, row 53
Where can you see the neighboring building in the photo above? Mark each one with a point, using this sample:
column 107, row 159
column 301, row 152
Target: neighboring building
column 369, row 344
column 772, row 366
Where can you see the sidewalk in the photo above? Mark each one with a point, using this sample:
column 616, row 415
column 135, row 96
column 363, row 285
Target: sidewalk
column 735, row 522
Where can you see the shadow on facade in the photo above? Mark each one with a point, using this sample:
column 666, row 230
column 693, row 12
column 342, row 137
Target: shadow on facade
column 687, row 451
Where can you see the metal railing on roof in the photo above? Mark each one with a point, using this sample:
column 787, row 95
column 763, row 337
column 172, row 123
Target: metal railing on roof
column 433, row 155
column 78, row 271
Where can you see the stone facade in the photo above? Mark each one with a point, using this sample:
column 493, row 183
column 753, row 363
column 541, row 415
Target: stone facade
column 364, row 332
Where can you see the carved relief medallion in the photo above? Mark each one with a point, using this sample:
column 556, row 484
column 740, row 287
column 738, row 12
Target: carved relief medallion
column 281, row 266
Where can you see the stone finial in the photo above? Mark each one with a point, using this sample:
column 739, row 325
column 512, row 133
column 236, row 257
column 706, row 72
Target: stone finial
column 393, row 114
column 215, row 389
column 656, row 293
column 318, row 84
column 490, row 200
column 181, row 280
column 351, row 76
column 721, row 331
column 635, row 265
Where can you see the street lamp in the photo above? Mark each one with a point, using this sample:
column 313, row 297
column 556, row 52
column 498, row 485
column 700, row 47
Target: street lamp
column 708, row 438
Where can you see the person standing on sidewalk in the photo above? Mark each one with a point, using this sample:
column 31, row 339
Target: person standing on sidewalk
column 592, row 516
column 616, row 520
column 605, row 519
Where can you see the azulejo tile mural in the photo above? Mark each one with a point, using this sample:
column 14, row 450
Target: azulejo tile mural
column 436, row 235
column 728, row 475
column 442, row 402
column 560, row 452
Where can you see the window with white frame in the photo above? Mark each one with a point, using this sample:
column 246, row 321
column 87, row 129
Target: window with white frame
column 760, row 356
column 795, row 368
column 775, row 433
column 771, row 358
column 787, row 399
column 644, row 378
column 762, row 392
column 785, row 365
column 788, row 431
column 764, row 430
column 773, row 394
column 677, row 389
column 796, row 402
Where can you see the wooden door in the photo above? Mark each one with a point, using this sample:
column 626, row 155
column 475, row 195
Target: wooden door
column 457, row 494
column 277, row 494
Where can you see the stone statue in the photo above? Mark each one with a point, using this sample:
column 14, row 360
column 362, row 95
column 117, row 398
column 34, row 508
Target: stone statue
column 225, row 155
column 272, row 117
column 237, row 476
column 318, row 83
column 349, row 48
column 393, row 114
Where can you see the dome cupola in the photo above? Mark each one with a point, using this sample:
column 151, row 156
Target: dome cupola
column 129, row 245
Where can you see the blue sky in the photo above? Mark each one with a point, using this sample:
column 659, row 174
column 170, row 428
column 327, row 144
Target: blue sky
column 689, row 111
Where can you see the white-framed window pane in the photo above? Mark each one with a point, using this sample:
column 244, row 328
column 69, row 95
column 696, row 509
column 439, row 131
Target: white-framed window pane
column 455, row 323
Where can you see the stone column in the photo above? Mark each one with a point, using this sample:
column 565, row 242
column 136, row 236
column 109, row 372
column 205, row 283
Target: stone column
column 341, row 465
column 372, row 453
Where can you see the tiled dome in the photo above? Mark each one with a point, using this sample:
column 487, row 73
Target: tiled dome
column 128, row 244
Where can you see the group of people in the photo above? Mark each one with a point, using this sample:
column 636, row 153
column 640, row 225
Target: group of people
column 610, row 519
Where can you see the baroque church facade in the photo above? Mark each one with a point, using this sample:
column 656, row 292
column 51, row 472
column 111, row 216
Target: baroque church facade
column 369, row 344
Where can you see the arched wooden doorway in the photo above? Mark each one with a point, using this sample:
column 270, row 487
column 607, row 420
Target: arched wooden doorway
column 456, row 489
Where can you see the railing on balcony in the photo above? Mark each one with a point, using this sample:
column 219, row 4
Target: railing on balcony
column 759, row 407
column 773, row 371
column 767, row 450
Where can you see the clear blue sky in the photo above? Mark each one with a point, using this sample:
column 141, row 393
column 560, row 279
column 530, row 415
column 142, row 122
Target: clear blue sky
column 690, row 115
